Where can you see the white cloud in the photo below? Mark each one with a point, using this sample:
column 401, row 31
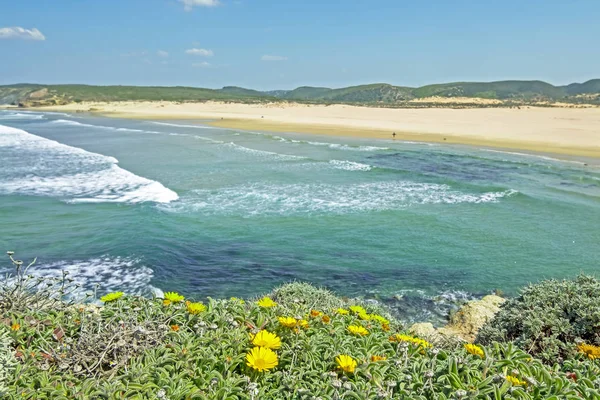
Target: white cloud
column 203, row 64
column 200, row 52
column 189, row 4
column 162, row 53
column 273, row 58
column 16, row 32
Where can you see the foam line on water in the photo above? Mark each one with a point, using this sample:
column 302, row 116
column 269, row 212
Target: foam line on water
column 350, row 165
column 33, row 165
column 293, row 199
column 126, row 274
column 187, row 126
column 19, row 116
column 262, row 153
column 111, row 128
column 523, row 155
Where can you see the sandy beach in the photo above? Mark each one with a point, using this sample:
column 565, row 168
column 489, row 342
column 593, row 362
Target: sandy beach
column 556, row 130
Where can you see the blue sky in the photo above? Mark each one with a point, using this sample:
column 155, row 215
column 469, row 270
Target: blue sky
column 281, row 44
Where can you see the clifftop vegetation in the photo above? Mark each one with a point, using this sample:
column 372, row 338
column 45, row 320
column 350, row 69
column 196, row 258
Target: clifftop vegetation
column 299, row 342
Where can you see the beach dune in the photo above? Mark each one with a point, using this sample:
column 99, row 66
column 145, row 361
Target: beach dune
column 569, row 131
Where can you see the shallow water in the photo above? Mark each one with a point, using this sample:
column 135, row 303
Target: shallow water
column 143, row 206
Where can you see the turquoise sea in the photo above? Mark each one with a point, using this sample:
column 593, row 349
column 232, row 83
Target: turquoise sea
column 144, row 206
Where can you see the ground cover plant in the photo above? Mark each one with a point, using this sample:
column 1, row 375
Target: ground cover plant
column 299, row 342
column 552, row 320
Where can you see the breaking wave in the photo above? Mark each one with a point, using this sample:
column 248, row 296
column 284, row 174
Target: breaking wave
column 32, row 165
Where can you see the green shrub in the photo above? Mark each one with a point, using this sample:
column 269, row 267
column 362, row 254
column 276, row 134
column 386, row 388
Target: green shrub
column 140, row 348
column 7, row 360
column 549, row 319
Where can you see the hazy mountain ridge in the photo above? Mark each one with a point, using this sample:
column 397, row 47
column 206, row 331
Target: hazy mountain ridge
column 378, row 93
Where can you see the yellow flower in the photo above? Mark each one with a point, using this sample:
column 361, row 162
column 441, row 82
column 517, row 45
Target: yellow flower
column 516, row 381
column 288, row 322
column 15, row 327
column 175, row 328
column 342, row 311
column 261, row 359
column 475, row 350
column 303, row 323
column 364, row 316
column 315, row 313
column 358, row 330
column 380, row 319
column 385, row 327
column 405, row 338
column 166, row 302
column 358, row 309
column 346, row 363
column 266, row 302
column 378, row 358
column 326, row 319
column 174, row 297
column 196, row 308
column 267, row 340
column 111, row 297
column 591, row 351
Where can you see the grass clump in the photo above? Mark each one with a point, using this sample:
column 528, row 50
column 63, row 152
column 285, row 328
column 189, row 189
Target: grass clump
column 292, row 344
column 550, row 320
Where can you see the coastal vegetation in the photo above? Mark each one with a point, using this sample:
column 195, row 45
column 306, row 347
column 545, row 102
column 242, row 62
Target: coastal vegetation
column 508, row 93
column 298, row 342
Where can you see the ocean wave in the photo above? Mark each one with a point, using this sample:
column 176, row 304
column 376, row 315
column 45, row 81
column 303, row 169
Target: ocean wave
column 186, row 126
column 335, row 146
column 19, row 116
column 110, row 128
column 350, row 165
column 527, row 155
column 262, row 153
column 346, row 147
column 36, row 166
column 109, row 273
column 293, row 199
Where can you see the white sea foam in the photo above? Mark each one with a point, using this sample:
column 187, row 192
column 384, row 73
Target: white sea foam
column 33, row 165
column 185, row 126
column 110, row 128
column 291, row 199
column 109, row 273
column 19, row 116
column 514, row 153
column 350, row 165
column 262, row 153
column 346, row 147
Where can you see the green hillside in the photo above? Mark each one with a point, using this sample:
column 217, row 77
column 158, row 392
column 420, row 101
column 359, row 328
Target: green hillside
column 493, row 90
column 237, row 91
column 589, row 87
column 36, row 95
column 377, row 94
column 305, row 93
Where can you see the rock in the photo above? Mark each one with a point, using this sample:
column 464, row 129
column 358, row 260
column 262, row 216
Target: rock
column 425, row 330
column 464, row 324
column 469, row 319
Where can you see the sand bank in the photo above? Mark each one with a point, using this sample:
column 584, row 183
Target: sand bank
column 573, row 131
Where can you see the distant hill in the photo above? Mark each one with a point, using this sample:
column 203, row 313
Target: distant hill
column 242, row 92
column 589, row 87
column 502, row 90
column 373, row 94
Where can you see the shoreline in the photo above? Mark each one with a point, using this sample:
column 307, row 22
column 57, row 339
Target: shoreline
column 564, row 132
